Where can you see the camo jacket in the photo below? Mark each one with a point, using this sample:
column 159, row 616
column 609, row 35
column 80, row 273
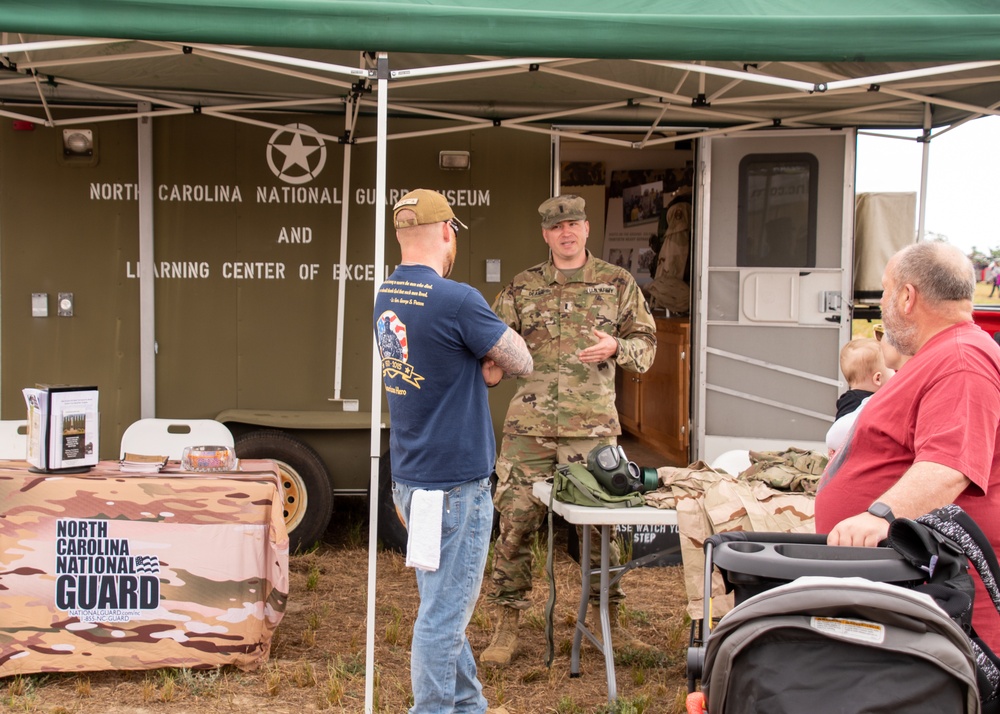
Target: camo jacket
column 564, row 397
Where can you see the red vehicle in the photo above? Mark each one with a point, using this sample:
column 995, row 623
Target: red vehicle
column 988, row 318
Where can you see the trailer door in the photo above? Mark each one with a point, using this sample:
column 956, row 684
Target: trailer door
column 775, row 220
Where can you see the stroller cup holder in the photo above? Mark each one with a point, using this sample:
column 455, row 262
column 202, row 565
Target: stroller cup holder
column 751, row 563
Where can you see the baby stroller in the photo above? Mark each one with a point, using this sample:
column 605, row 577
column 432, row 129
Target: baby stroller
column 824, row 629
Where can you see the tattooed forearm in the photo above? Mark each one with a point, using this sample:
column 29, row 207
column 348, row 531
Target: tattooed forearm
column 511, row 354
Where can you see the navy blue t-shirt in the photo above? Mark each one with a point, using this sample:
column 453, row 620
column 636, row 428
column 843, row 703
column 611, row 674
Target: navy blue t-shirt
column 431, row 334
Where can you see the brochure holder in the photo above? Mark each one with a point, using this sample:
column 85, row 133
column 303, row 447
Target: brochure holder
column 62, row 429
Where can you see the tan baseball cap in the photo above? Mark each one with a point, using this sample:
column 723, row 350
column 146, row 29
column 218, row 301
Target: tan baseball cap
column 562, row 208
column 429, row 207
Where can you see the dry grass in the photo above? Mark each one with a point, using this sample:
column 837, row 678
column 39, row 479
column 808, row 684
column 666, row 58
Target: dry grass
column 318, row 655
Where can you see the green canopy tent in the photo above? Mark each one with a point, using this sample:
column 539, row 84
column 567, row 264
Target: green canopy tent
column 770, row 61
column 793, row 30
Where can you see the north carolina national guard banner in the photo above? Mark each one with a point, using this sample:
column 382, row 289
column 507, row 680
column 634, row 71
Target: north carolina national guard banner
column 107, row 570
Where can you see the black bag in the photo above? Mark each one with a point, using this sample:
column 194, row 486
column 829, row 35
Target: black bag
column 942, row 543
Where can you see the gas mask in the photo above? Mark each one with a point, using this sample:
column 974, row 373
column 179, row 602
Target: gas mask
column 617, row 474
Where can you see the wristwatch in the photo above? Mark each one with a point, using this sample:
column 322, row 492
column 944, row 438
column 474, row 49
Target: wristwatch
column 881, row 510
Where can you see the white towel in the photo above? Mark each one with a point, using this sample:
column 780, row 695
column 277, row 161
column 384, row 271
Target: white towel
column 423, row 544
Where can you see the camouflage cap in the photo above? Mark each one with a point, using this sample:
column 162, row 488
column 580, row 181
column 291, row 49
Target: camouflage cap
column 562, row 208
column 429, row 207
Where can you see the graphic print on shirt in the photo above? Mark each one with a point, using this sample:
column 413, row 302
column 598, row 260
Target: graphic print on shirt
column 392, row 346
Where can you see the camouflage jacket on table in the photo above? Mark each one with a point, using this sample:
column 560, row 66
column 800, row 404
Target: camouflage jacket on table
column 564, row 397
column 776, row 493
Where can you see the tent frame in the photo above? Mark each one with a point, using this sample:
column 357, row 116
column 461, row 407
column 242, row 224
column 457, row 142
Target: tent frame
column 709, row 115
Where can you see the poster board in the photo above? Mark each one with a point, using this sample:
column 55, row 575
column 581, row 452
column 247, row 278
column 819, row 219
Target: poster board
column 637, row 199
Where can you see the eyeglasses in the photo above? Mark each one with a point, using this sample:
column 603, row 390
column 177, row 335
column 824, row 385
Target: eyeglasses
column 455, row 225
column 879, row 330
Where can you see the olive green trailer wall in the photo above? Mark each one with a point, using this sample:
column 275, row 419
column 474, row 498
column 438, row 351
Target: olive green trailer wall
column 246, row 260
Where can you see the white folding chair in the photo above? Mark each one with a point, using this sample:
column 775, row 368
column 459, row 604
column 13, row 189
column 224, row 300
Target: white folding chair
column 168, row 437
column 14, row 439
column 732, row 462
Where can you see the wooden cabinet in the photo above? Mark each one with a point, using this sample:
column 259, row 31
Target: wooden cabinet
column 654, row 406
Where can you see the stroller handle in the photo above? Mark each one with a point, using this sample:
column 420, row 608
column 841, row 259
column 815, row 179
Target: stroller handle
column 751, row 562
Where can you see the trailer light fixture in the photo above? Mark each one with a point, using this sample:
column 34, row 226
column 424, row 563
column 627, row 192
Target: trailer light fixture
column 78, row 142
column 454, row 160
column 78, row 148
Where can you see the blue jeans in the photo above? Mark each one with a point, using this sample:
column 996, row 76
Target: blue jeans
column 442, row 665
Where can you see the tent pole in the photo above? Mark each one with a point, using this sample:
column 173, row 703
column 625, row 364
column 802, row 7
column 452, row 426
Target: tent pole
column 925, row 139
column 555, row 170
column 376, row 432
column 147, row 312
column 338, row 365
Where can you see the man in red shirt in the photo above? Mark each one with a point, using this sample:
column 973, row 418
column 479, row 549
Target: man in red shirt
column 931, row 435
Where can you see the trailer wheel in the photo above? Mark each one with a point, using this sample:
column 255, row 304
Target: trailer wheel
column 305, row 482
column 391, row 530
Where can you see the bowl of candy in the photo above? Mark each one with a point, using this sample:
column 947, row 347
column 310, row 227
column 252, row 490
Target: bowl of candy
column 208, row 458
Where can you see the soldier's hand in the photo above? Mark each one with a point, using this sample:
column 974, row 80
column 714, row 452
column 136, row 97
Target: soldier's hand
column 603, row 350
column 492, row 374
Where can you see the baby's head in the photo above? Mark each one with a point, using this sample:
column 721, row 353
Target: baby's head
column 863, row 366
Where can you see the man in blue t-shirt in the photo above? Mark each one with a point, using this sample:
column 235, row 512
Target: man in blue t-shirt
column 433, row 335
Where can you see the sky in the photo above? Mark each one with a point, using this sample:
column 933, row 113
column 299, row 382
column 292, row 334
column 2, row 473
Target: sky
column 963, row 190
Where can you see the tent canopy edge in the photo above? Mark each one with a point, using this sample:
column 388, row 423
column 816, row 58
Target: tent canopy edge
column 712, row 30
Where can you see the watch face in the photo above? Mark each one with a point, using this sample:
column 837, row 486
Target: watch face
column 880, row 510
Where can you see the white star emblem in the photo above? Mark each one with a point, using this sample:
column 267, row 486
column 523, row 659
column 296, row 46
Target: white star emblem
column 304, row 155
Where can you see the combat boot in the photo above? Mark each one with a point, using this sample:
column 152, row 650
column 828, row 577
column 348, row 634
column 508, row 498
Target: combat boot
column 504, row 644
column 620, row 637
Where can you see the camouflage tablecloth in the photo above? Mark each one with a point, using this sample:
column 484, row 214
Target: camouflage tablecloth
column 111, row 570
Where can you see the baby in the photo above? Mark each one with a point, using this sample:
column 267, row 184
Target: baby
column 865, row 370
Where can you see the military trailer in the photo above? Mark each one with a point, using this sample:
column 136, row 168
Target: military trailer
column 195, row 221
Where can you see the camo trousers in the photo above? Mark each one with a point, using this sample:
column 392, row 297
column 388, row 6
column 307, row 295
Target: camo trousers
column 522, row 461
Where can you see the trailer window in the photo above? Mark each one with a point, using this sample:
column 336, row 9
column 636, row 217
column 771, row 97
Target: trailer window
column 777, row 211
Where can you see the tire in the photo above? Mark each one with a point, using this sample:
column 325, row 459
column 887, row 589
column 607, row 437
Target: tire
column 391, row 530
column 305, row 483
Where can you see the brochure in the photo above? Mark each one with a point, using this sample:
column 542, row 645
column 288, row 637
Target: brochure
column 62, row 427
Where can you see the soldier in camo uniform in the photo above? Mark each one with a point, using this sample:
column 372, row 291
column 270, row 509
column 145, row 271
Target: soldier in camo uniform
column 581, row 318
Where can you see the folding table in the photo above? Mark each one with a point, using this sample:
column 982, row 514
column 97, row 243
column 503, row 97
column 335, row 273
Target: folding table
column 604, row 518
